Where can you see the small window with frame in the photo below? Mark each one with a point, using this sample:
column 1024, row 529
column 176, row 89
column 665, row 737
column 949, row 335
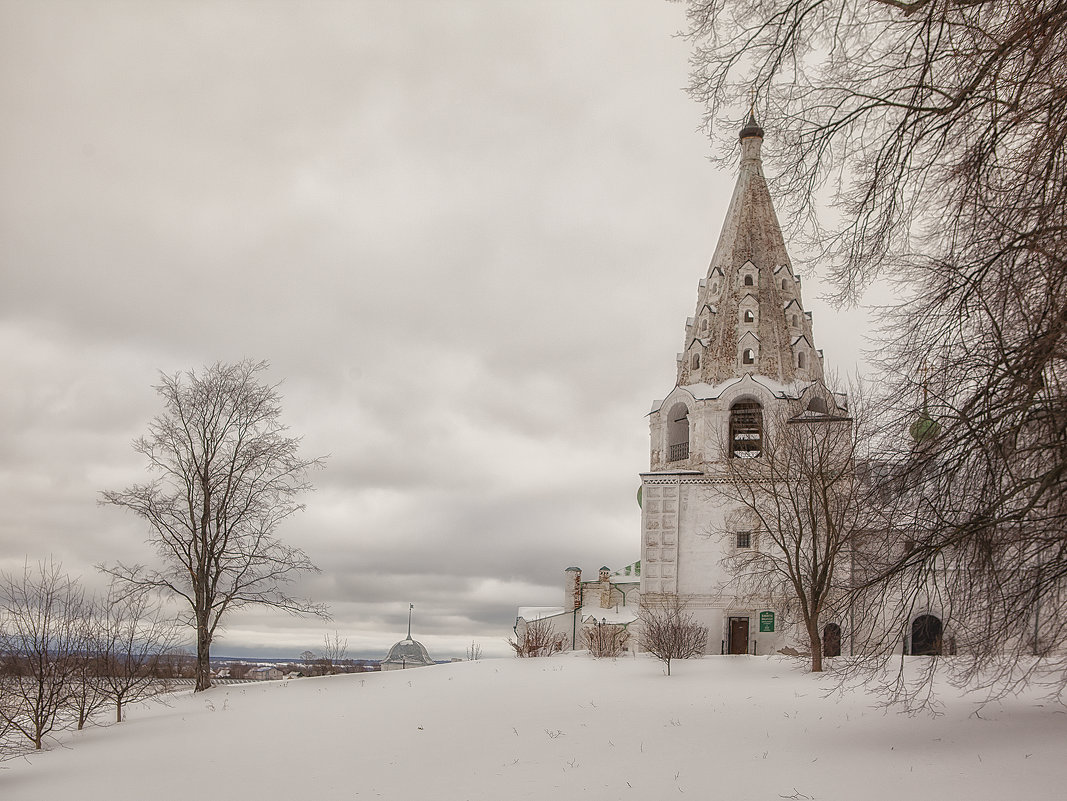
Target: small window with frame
column 743, row 540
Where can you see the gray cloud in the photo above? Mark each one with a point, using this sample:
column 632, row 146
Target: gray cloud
column 466, row 235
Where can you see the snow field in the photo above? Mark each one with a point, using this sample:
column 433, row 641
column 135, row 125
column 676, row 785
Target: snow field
column 566, row 727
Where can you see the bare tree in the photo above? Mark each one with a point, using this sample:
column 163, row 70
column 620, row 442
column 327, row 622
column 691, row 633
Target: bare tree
column 940, row 126
column 8, row 746
column 177, row 663
column 134, row 634
column 87, row 695
column 537, row 638
column 334, row 651
column 608, row 640
column 225, row 477
column 474, row 651
column 801, row 510
column 668, row 631
column 42, row 640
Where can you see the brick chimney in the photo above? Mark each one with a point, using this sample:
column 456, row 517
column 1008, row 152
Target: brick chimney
column 572, row 589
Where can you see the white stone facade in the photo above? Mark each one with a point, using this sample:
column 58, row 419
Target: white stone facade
column 747, row 351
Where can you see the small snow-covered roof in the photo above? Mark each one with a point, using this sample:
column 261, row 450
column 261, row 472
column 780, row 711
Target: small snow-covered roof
column 531, row 613
column 629, row 574
column 624, row 615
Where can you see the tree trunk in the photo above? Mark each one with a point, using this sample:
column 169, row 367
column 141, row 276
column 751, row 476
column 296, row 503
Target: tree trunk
column 203, row 657
column 118, row 710
column 816, row 646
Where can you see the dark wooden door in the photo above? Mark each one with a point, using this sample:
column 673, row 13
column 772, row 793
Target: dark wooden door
column 831, row 640
column 926, row 636
column 739, row 635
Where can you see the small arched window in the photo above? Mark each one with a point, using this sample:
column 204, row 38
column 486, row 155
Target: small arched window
column 678, row 433
column 794, row 322
column 696, row 361
column 704, row 324
column 818, row 405
column 801, row 359
column 749, row 280
column 785, row 283
column 748, row 356
column 749, row 316
column 715, row 288
column 746, row 430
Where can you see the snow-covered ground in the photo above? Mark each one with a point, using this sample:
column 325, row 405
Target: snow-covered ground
column 562, row 728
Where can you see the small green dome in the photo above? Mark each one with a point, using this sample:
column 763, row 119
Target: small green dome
column 924, row 429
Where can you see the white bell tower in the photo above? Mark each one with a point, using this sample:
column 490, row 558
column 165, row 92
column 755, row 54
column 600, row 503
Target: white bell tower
column 747, row 349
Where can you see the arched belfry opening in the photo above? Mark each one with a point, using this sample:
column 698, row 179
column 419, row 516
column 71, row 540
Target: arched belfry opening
column 746, row 429
column 926, row 636
column 678, row 433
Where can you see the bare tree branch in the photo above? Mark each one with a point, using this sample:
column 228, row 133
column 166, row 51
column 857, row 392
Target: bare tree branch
column 668, row 631
column 226, row 476
column 939, row 130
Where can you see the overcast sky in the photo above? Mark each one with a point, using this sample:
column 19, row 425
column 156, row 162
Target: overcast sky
column 466, row 235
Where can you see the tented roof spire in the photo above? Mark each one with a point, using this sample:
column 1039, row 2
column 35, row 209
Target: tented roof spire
column 749, row 315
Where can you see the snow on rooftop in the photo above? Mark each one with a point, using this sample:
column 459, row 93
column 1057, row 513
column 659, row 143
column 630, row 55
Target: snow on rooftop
column 705, row 391
column 531, row 613
column 592, row 613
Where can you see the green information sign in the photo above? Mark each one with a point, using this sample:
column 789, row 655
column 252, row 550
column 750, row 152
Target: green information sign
column 766, row 621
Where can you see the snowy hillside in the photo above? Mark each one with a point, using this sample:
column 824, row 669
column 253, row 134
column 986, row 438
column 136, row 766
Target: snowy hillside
column 561, row 728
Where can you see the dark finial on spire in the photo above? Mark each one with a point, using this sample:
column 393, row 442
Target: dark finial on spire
column 752, row 128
